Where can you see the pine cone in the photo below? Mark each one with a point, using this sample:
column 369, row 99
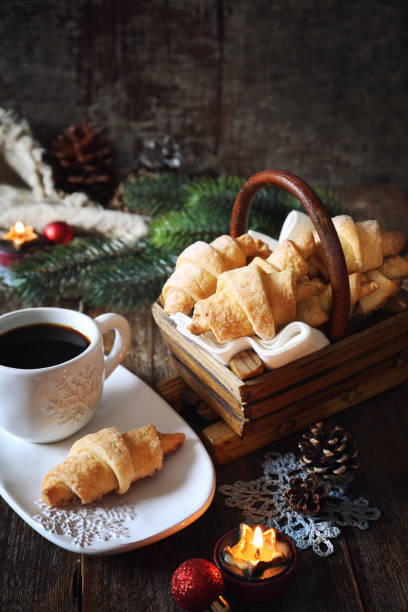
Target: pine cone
column 306, row 496
column 159, row 154
column 328, row 453
column 82, row 160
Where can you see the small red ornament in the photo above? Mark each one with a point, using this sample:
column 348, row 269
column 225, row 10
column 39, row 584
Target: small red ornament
column 196, row 583
column 59, row 232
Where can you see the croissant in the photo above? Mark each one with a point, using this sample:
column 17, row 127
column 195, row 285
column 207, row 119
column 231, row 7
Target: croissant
column 305, row 286
column 106, row 460
column 314, row 309
column 247, row 301
column 395, row 267
column 364, row 245
column 293, row 254
column 385, row 289
column 199, row 265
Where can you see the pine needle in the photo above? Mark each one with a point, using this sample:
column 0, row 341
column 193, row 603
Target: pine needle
column 176, row 230
column 153, row 194
column 61, row 271
column 136, row 279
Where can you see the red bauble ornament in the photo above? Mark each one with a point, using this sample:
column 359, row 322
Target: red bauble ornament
column 59, row 232
column 196, row 583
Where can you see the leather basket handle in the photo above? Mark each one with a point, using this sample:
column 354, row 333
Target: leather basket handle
column 333, row 252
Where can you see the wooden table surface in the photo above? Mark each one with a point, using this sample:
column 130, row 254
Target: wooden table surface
column 367, row 571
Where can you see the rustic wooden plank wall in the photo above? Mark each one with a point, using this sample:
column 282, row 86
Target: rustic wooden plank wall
column 317, row 87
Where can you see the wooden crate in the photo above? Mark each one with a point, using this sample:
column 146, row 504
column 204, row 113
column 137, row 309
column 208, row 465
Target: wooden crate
column 281, row 401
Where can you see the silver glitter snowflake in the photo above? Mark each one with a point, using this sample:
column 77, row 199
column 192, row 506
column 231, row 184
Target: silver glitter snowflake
column 263, row 502
column 86, row 524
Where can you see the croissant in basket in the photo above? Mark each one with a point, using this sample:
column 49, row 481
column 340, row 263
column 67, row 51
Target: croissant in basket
column 269, row 293
column 255, row 299
column 199, row 265
column 364, row 245
column 105, row 461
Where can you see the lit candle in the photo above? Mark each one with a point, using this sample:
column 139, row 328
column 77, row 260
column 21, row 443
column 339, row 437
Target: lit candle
column 19, row 234
column 15, row 243
column 256, row 562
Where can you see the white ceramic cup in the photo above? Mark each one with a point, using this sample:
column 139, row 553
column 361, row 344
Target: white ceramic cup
column 51, row 403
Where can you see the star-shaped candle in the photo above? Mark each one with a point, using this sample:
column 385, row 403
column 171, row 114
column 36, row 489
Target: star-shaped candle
column 15, row 243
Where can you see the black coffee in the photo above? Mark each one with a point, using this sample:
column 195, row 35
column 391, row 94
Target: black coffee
column 40, row 345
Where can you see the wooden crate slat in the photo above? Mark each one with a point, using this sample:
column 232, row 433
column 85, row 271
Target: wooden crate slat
column 326, row 378
column 171, row 389
column 224, row 445
column 237, row 425
column 228, row 379
column 209, row 380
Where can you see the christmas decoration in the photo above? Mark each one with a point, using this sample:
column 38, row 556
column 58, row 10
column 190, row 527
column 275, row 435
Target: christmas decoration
column 124, row 274
column 27, row 189
column 263, row 502
column 82, row 160
column 306, row 496
column 19, row 234
column 151, row 193
column 105, row 273
column 328, row 452
column 20, row 240
column 159, row 154
column 59, row 232
column 88, row 219
column 196, row 583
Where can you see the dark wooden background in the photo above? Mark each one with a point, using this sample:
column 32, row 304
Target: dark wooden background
column 316, row 87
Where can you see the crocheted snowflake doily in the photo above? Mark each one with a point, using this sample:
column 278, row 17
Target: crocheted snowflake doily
column 87, row 524
column 263, row 502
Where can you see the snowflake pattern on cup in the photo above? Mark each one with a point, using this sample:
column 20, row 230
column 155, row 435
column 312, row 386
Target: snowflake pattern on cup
column 76, row 397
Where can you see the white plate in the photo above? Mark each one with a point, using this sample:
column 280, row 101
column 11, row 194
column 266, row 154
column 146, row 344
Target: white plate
column 152, row 509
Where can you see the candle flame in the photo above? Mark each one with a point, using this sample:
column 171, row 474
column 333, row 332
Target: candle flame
column 19, row 227
column 254, row 545
column 258, row 537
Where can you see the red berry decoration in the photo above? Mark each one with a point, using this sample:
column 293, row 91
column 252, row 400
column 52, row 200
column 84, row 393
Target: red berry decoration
column 196, row 583
column 59, row 232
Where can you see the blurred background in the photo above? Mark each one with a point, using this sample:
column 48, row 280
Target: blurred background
column 317, row 88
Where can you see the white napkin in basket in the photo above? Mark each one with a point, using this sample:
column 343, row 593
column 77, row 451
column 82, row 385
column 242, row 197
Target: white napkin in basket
column 295, row 340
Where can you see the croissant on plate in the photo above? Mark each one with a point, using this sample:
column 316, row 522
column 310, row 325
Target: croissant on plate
column 105, row 461
column 199, row 265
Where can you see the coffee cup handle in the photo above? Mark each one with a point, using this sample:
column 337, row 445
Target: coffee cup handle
column 121, row 327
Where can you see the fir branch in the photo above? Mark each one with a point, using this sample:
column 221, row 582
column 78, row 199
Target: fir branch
column 218, row 193
column 176, row 230
column 153, row 194
column 213, row 197
column 136, row 279
column 61, row 271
